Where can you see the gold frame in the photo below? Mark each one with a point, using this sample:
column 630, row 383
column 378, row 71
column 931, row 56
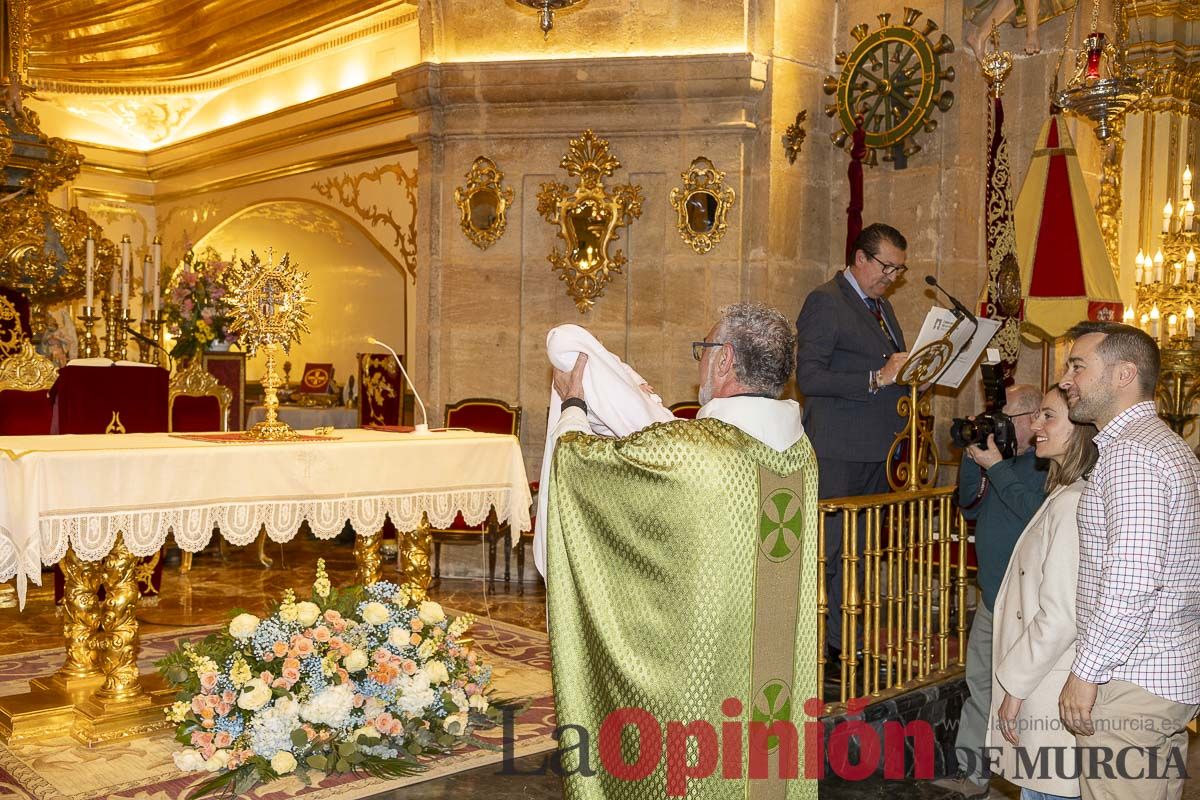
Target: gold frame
column 586, row 275
column 702, row 178
column 196, row 381
column 27, row 371
column 484, row 176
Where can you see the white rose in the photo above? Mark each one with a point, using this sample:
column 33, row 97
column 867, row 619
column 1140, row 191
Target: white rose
column 357, row 660
column 243, row 626
column 437, row 672
column 374, row 707
column 398, row 637
column 375, row 613
column 478, row 702
column 283, row 762
column 218, row 762
column 307, row 613
column 431, row 613
column 189, row 760
column 455, row 724
column 255, row 694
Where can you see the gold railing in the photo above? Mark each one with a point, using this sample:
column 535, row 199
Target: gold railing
column 911, row 604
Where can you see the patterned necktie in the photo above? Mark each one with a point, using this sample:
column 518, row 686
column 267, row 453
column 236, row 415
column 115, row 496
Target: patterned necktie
column 873, row 304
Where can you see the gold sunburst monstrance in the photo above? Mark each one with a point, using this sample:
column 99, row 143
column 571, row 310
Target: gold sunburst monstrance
column 269, row 311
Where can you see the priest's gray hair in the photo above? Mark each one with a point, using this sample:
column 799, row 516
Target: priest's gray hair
column 764, row 346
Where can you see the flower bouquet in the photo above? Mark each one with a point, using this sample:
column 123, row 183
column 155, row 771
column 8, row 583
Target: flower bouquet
column 197, row 310
column 360, row 680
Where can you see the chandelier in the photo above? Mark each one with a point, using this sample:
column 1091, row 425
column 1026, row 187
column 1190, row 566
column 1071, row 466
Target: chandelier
column 1103, row 86
column 547, row 9
column 1168, row 292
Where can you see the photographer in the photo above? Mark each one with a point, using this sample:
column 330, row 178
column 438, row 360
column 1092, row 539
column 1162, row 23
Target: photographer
column 1001, row 495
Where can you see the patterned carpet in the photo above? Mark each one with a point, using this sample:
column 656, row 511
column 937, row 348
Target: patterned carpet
column 142, row 769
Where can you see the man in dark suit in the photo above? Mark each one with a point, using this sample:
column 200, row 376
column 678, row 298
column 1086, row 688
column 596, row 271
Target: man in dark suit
column 849, row 351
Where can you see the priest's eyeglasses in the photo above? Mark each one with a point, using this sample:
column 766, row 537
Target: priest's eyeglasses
column 890, row 269
column 698, row 348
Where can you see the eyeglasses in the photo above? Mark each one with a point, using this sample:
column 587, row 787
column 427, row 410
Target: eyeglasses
column 889, row 269
column 698, row 348
column 1022, row 414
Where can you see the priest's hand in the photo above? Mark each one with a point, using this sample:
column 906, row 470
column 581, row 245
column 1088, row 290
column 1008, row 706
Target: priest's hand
column 570, row 384
column 1075, row 705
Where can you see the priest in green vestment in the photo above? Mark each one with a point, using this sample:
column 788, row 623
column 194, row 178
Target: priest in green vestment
column 682, row 582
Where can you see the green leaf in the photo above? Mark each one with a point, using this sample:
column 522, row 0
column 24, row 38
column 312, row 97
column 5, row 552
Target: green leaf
column 316, row 762
column 356, row 758
column 347, row 748
column 343, row 765
column 299, row 737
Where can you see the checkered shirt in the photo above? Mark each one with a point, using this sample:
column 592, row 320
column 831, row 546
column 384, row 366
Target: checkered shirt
column 1138, row 605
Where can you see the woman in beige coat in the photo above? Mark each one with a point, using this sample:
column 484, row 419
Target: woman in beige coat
column 1033, row 642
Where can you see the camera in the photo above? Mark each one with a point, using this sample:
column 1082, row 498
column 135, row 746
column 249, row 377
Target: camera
column 993, row 422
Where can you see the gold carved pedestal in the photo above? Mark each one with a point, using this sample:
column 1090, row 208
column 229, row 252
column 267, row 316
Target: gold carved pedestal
column 97, row 695
column 415, row 547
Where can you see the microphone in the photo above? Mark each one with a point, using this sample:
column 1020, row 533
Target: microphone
column 958, row 307
column 422, row 428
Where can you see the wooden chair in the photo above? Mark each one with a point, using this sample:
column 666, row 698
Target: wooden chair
column 25, row 381
column 685, row 410
column 484, row 415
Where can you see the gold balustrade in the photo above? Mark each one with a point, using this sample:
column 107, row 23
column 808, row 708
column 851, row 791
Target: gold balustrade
column 904, row 596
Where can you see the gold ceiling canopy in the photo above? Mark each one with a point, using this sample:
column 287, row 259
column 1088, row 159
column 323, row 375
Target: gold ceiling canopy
column 81, row 45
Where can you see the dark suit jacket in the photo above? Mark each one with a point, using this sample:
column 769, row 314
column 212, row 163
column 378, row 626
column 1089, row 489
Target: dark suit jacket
column 838, row 343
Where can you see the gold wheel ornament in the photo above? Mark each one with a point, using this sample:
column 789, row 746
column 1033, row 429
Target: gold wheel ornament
column 893, row 79
column 269, row 303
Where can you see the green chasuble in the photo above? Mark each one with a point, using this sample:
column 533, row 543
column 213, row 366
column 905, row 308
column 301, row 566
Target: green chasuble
column 682, row 572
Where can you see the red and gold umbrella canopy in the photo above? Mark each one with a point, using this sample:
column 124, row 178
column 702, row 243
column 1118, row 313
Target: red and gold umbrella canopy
column 1065, row 272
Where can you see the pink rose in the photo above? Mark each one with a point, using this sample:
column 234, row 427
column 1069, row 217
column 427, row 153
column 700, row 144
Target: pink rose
column 281, row 683
column 409, row 666
column 222, row 739
column 291, row 675
column 223, row 709
column 201, row 739
column 383, row 723
column 229, row 696
column 321, row 634
column 359, row 700
column 303, row 647
column 397, row 728
column 332, row 616
column 198, row 703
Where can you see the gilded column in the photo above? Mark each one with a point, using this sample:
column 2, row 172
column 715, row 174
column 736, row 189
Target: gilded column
column 119, row 624
column 367, row 557
column 81, row 617
column 1108, row 203
column 416, row 547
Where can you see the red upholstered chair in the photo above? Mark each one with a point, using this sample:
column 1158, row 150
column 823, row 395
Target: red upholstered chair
column 25, row 381
column 380, row 389
column 685, row 410
column 230, row 371
column 485, row 416
column 197, row 402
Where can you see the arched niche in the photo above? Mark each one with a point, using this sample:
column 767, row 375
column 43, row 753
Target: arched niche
column 358, row 289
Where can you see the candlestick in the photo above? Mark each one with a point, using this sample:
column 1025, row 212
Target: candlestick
column 89, row 347
column 91, row 269
column 156, row 325
column 126, row 268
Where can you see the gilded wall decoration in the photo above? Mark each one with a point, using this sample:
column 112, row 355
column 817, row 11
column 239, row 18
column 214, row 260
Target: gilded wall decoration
column 307, row 217
column 1108, row 202
column 588, row 218
column 484, row 203
column 152, row 119
column 702, row 204
column 794, row 136
column 348, row 189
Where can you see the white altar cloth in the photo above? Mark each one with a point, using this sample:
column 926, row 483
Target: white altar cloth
column 80, row 491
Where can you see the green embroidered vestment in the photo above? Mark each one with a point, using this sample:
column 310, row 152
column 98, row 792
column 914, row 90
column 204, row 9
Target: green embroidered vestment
column 682, row 571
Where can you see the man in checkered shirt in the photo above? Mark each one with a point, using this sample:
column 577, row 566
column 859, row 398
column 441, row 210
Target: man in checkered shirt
column 1135, row 682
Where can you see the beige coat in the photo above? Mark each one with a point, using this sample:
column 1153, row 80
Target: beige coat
column 1033, row 642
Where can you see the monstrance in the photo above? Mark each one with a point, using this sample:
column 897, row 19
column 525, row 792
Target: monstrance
column 269, row 308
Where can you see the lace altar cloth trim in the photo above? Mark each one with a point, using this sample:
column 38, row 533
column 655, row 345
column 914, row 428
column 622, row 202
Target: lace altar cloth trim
column 146, row 529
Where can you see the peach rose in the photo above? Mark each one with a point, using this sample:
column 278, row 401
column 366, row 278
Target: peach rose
column 280, row 649
column 409, row 666
column 208, row 681
column 417, row 624
column 223, row 709
column 229, row 696
column 198, row 703
column 321, row 634
column 304, row 647
column 415, row 639
column 222, row 739
column 383, row 723
column 291, row 675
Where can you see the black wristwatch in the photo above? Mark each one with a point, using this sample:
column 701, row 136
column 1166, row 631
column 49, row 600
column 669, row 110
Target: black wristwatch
column 574, row 402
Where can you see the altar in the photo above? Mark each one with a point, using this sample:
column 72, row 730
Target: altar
column 94, row 503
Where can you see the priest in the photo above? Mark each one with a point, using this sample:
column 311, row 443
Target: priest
column 682, row 582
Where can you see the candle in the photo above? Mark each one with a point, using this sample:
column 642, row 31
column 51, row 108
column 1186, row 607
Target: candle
column 147, row 271
column 1140, row 261
column 91, row 270
column 1168, row 212
column 1128, row 316
column 1187, row 182
column 1144, row 322
column 157, row 299
column 1191, row 265
column 1190, row 316
column 113, row 288
column 1158, row 266
column 157, row 249
column 1172, row 325
column 1178, row 278
column 126, row 268
column 1154, row 318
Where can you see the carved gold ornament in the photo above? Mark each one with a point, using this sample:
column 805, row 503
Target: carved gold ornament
column 348, row 189
column 11, row 330
column 27, row 371
column 702, row 204
column 892, row 79
column 484, row 203
column 587, row 219
column 269, row 304
column 794, row 136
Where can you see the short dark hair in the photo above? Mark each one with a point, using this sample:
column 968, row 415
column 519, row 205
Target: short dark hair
column 1125, row 343
column 870, row 237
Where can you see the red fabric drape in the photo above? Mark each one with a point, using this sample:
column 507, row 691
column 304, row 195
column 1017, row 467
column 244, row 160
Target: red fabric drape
column 854, row 223
column 1058, row 262
column 86, row 397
